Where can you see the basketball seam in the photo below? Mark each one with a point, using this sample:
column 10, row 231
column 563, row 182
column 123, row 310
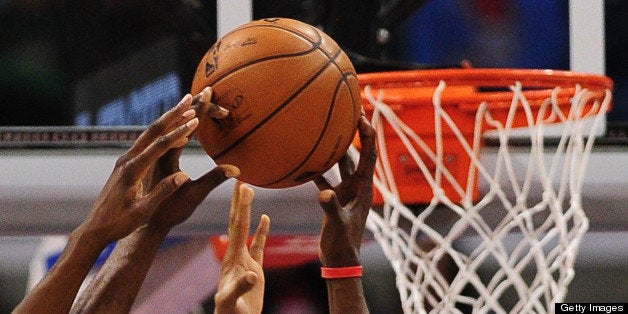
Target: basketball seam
column 321, row 135
column 245, row 26
column 315, row 46
column 274, row 112
column 318, row 40
column 244, row 65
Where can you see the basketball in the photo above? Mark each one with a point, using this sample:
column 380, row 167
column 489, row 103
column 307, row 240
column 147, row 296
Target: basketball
column 293, row 99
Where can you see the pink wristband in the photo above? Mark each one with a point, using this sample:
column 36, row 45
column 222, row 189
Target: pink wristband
column 341, row 272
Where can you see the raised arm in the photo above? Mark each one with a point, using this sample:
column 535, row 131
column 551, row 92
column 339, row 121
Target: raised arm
column 117, row 283
column 122, row 206
column 241, row 286
column 346, row 208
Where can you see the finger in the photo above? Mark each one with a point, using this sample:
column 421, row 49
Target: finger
column 199, row 189
column 234, row 290
column 179, row 143
column 140, row 164
column 368, row 154
column 322, row 183
column 346, row 167
column 218, row 175
column 217, row 112
column 259, row 240
column 166, row 187
column 204, row 105
column 165, row 165
column 240, row 224
column 164, row 123
column 235, row 199
column 330, row 204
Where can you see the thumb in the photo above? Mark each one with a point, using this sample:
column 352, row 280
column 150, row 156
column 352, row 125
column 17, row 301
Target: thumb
column 163, row 190
column 330, row 204
column 201, row 187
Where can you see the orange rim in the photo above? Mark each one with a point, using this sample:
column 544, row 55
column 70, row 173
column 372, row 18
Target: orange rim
column 491, row 85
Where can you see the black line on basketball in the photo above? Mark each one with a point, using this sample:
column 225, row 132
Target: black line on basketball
column 252, row 62
column 318, row 40
column 345, row 77
column 320, row 136
column 277, row 110
column 316, row 43
column 315, row 46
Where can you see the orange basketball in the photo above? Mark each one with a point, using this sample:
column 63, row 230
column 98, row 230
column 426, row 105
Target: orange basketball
column 293, row 99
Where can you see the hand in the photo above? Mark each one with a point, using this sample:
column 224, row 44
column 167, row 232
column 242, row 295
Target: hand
column 241, row 286
column 347, row 205
column 118, row 281
column 179, row 206
column 123, row 205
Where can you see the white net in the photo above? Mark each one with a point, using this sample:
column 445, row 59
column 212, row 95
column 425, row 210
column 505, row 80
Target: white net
column 512, row 248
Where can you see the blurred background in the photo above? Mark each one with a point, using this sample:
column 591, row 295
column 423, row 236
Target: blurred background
column 124, row 63
column 66, row 60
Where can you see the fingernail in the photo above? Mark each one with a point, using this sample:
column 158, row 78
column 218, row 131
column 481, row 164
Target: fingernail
column 189, row 113
column 180, row 142
column 180, row 178
column 231, row 171
column 205, row 95
column 200, row 96
column 207, row 91
column 183, row 101
column 192, row 123
column 218, row 112
column 265, row 217
column 325, row 196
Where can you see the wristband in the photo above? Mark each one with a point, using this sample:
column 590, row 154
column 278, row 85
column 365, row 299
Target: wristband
column 341, row 272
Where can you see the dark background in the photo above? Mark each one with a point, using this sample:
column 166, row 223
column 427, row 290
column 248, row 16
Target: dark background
column 61, row 59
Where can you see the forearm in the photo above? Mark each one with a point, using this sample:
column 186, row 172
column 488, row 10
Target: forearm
column 56, row 292
column 118, row 282
column 345, row 295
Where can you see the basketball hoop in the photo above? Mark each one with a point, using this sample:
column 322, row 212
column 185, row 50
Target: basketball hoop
column 446, row 211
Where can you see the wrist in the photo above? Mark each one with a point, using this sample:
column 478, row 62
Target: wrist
column 89, row 237
column 337, row 259
column 155, row 229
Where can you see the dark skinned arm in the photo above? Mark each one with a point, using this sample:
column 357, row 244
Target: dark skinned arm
column 346, row 208
column 121, row 207
column 116, row 285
